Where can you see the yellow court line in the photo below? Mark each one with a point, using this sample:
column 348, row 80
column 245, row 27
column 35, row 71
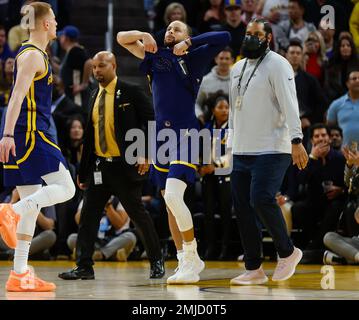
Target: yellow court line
column 47, row 140
column 185, row 164
column 27, row 154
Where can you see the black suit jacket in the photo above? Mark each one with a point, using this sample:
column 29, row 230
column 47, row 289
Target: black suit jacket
column 132, row 109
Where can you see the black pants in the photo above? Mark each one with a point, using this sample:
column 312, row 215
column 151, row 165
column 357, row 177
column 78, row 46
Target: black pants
column 217, row 199
column 65, row 224
column 115, row 182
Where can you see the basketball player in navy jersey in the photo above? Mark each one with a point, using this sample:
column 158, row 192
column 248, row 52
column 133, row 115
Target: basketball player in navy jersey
column 28, row 152
column 176, row 73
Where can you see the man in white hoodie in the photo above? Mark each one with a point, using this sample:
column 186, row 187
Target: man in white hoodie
column 217, row 79
column 266, row 131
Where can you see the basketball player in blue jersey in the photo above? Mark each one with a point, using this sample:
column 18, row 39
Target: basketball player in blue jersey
column 28, row 152
column 176, row 73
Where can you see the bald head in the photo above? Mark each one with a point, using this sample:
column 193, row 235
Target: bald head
column 105, row 56
column 104, row 67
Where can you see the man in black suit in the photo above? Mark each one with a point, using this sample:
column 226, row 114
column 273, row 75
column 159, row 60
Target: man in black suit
column 115, row 108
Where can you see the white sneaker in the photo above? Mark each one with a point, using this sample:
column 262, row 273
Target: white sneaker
column 250, row 277
column 286, row 266
column 172, row 279
column 330, row 258
column 189, row 268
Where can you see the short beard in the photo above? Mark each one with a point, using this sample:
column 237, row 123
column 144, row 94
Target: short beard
column 100, row 80
column 170, row 44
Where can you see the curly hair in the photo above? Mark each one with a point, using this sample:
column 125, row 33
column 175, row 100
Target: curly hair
column 216, row 97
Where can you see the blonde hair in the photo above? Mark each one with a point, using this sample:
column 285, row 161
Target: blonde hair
column 170, row 8
column 322, row 48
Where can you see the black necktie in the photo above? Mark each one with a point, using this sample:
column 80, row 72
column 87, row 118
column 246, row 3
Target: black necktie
column 101, row 121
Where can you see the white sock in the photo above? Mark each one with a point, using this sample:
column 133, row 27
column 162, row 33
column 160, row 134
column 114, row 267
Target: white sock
column 179, row 253
column 21, row 256
column 190, row 246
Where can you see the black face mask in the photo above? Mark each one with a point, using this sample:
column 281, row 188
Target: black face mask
column 253, row 48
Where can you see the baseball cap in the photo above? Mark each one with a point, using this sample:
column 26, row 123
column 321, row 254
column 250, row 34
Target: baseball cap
column 70, row 31
column 232, row 3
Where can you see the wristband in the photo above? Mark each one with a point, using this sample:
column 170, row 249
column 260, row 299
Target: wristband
column 8, row 135
column 311, row 156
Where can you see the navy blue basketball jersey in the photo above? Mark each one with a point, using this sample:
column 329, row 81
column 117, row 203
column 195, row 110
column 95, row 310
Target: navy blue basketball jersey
column 35, row 111
column 176, row 80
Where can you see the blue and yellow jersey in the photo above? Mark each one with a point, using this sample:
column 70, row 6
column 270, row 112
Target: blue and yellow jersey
column 175, row 80
column 36, row 108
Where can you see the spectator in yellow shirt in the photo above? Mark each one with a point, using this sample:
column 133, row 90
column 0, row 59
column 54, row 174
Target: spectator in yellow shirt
column 354, row 23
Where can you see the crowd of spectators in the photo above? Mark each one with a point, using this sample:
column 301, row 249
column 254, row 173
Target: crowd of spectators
column 319, row 204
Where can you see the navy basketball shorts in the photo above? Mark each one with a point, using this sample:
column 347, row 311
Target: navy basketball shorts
column 175, row 160
column 36, row 155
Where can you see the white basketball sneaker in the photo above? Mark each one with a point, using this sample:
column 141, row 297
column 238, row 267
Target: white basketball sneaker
column 172, row 279
column 189, row 267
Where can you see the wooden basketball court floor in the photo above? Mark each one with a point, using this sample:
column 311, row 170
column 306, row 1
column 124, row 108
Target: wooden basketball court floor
column 129, row 280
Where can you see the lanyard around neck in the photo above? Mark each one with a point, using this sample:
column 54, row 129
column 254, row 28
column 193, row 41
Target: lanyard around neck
column 252, row 74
